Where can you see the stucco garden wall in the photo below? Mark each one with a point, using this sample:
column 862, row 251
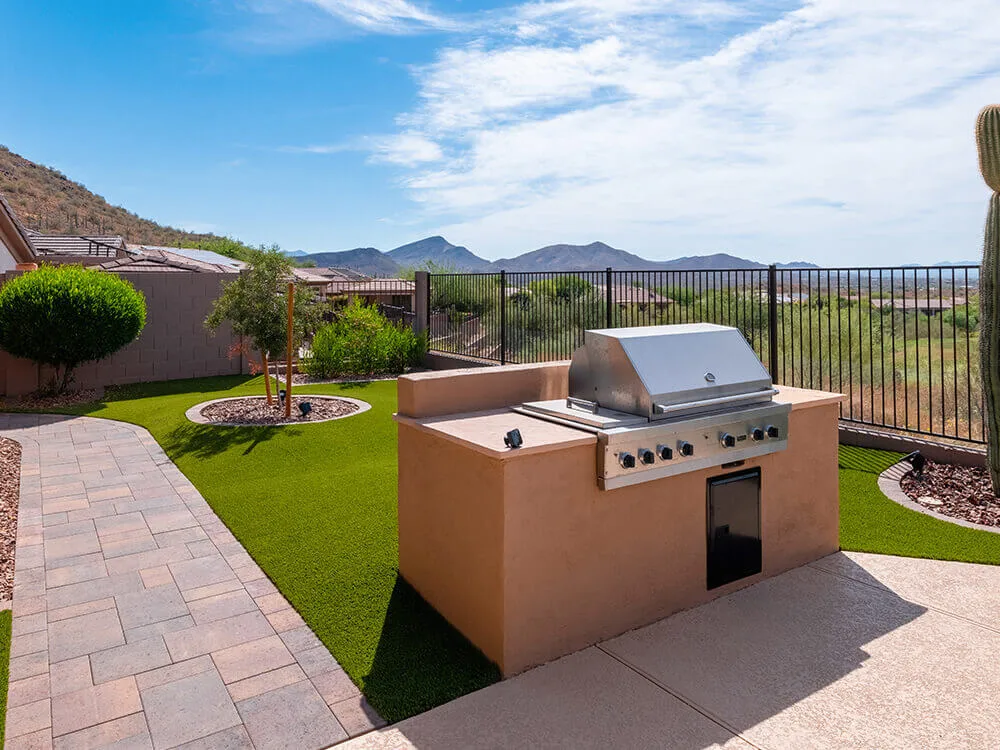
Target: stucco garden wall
column 174, row 344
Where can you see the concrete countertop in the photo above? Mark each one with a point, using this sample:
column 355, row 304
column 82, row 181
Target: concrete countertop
column 484, row 431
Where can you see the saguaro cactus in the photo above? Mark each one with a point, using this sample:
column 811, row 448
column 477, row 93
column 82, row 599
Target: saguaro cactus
column 988, row 142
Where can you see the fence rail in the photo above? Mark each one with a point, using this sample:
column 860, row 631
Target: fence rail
column 900, row 342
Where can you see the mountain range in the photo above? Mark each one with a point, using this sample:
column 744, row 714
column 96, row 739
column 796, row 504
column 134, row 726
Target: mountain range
column 437, row 253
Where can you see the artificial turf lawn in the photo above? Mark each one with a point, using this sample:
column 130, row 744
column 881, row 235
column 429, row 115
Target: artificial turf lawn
column 316, row 507
column 871, row 522
column 5, row 621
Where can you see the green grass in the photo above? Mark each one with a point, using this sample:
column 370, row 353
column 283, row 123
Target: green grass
column 871, row 522
column 316, row 508
column 5, row 621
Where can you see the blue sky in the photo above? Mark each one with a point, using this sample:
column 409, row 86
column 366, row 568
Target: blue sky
column 831, row 130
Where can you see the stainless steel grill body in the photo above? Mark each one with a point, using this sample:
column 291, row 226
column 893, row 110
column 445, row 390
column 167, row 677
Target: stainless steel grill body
column 664, row 400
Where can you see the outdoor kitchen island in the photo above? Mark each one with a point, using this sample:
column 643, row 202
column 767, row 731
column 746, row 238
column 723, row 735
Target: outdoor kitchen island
column 523, row 551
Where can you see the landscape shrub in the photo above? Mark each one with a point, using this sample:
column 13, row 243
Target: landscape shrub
column 64, row 316
column 361, row 341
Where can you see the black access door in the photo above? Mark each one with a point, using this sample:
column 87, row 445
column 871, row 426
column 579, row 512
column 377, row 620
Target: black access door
column 734, row 549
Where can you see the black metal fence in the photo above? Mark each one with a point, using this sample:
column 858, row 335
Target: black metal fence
column 901, row 343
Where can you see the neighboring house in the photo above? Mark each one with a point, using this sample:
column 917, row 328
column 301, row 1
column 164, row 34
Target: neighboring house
column 626, row 294
column 193, row 254
column 142, row 259
column 88, row 251
column 391, row 292
column 16, row 250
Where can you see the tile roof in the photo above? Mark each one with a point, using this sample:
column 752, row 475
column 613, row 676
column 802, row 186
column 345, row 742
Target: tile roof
column 163, row 259
column 57, row 244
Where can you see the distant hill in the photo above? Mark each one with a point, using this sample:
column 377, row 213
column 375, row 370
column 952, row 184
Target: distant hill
column 367, row 260
column 439, row 252
column 48, row 201
column 592, row 257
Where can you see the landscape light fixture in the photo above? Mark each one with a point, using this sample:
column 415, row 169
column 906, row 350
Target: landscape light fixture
column 513, row 439
column 305, row 407
column 281, row 395
column 917, row 461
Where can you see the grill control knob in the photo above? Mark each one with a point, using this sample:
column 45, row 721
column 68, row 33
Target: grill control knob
column 664, row 452
column 685, row 448
column 772, row 431
column 727, row 440
column 647, row 456
column 757, row 434
column 627, row 460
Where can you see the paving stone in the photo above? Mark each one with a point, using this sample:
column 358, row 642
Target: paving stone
column 94, row 705
column 67, row 562
column 215, row 589
column 301, row 639
column 222, row 606
column 67, row 529
column 249, row 659
column 130, row 659
column 72, row 546
column 23, row 625
column 151, row 559
column 153, row 577
column 29, row 644
column 127, row 733
column 84, row 634
column 235, row 738
column 201, row 699
column 191, row 574
column 180, row 536
column 215, row 636
column 285, row 620
column 133, row 542
column 263, row 683
column 27, row 719
column 28, row 690
column 73, row 610
column 335, row 686
column 70, row 675
column 139, row 608
column 119, row 523
column 90, row 591
column 28, row 666
column 316, row 661
column 40, row 740
column 158, row 628
column 202, row 548
column 357, row 716
column 271, row 603
column 293, row 716
column 169, row 520
column 260, row 587
column 75, row 574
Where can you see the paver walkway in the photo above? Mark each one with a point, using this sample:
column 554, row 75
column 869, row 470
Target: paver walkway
column 852, row 651
column 140, row 620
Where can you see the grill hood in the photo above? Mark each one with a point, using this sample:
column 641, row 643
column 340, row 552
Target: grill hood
column 663, row 372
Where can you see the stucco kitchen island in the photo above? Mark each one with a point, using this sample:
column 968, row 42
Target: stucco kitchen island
column 525, row 554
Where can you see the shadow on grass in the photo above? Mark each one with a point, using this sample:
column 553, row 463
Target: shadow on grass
column 866, row 459
column 421, row 661
column 205, row 441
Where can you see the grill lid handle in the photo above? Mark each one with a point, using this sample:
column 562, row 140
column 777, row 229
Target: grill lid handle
column 573, row 402
column 719, row 401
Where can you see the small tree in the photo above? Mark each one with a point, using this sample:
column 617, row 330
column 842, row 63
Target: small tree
column 64, row 316
column 255, row 305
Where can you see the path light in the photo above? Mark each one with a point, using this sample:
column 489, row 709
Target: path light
column 305, row 407
column 281, row 395
column 917, row 461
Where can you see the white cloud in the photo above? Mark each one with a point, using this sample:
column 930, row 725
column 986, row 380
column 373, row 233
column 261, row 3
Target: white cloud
column 386, row 16
column 406, row 149
column 838, row 131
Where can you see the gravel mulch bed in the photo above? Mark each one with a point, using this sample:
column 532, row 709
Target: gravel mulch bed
column 10, row 484
column 255, row 410
column 963, row 491
column 39, row 403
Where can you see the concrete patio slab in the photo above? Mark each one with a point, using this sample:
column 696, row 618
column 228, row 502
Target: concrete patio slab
column 853, row 651
column 133, row 626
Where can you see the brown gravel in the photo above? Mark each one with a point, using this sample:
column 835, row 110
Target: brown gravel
column 254, row 410
column 10, row 483
column 40, row 403
column 964, row 491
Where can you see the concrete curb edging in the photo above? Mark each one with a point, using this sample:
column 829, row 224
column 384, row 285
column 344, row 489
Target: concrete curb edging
column 888, row 483
column 194, row 413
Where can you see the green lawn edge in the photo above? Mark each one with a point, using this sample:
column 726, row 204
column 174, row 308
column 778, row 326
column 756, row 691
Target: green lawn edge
column 319, row 517
column 5, row 628
column 871, row 522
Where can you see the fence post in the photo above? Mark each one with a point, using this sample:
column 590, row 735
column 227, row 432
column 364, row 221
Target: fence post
column 422, row 302
column 503, row 317
column 772, row 321
column 609, row 275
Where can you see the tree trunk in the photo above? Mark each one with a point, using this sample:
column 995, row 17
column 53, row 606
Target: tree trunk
column 267, row 379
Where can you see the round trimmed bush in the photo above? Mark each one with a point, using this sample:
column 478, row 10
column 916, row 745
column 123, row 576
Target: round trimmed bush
column 67, row 315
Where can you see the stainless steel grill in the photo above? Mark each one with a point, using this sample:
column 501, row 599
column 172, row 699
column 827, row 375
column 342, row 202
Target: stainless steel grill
column 664, row 400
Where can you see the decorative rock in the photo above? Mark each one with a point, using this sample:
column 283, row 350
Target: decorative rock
column 928, row 500
column 253, row 411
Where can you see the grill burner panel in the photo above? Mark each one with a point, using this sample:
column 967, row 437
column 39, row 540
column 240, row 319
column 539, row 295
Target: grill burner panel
column 620, row 389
